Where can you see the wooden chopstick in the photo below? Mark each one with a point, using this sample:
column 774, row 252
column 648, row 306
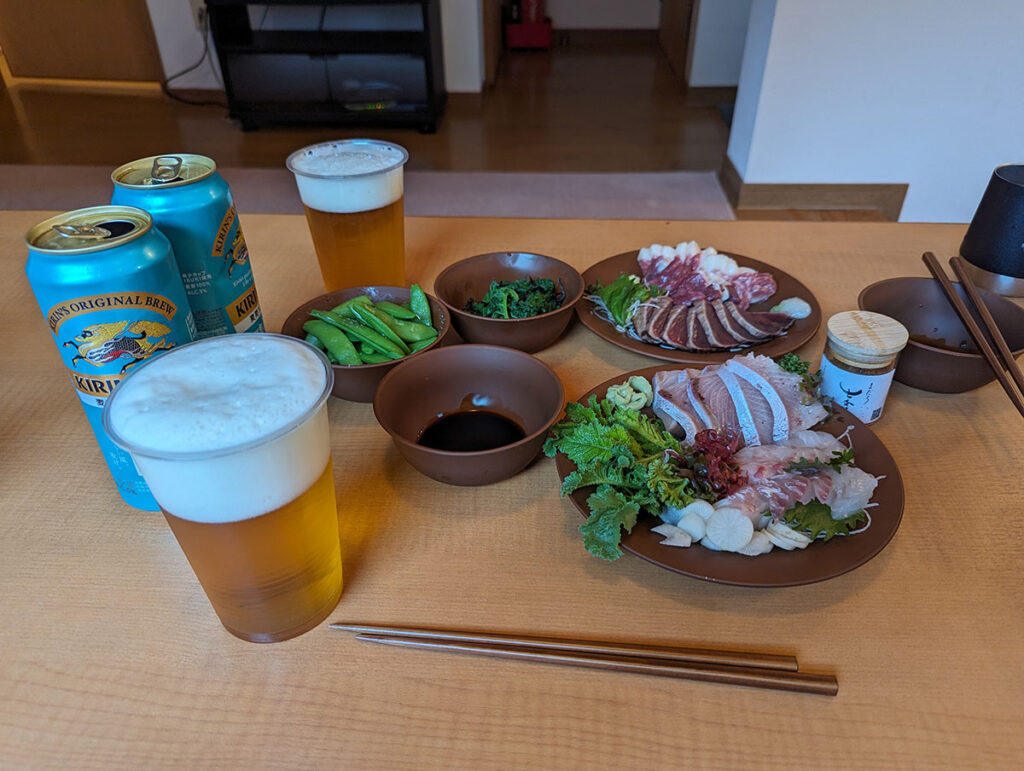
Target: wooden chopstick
column 751, row 677
column 959, row 266
column 975, row 331
column 626, row 650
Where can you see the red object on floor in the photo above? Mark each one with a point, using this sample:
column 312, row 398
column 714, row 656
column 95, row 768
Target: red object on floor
column 532, row 10
column 529, row 35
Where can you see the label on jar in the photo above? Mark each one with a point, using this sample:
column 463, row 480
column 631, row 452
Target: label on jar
column 863, row 395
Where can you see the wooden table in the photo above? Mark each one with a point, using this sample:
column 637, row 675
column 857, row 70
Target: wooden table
column 111, row 657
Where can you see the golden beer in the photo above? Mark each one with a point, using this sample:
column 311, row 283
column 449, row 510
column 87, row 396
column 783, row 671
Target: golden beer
column 352, row 191
column 231, row 435
column 361, row 249
column 289, row 559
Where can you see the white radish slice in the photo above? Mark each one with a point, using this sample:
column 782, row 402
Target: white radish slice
column 729, row 529
column 707, row 543
column 759, row 543
column 671, row 515
column 699, row 507
column 782, row 543
column 666, row 530
column 693, row 524
column 785, row 531
column 682, row 539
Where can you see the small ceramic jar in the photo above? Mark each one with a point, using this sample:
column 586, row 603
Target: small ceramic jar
column 859, row 361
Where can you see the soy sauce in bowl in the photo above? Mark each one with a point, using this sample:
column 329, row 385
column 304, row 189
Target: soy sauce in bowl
column 470, row 431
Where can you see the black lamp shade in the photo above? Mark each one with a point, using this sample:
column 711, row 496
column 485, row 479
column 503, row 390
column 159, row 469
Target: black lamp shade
column 995, row 238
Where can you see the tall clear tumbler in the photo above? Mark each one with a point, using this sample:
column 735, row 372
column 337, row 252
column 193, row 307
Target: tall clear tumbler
column 352, row 191
column 231, row 435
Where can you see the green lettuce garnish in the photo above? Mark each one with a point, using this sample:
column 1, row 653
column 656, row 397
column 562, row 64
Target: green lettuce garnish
column 633, row 461
column 618, row 301
column 815, row 520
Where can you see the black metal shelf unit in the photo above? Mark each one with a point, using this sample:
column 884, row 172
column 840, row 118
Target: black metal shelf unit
column 336, row 62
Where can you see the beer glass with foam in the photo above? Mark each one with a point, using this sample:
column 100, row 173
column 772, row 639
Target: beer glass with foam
column 352, row 191
column 231, row 435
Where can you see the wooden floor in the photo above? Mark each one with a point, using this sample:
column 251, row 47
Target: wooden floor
column 607, row 108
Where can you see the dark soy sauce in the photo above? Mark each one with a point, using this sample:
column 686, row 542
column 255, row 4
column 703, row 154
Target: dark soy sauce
column 470, row 431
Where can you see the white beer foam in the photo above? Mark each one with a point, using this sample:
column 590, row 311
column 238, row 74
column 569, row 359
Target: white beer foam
column 224, row 393
column 322, row 174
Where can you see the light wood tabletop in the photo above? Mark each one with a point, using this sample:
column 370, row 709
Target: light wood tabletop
column 111, row 657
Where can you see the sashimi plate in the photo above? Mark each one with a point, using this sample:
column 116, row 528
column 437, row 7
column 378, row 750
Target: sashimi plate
column 819, row 561
column 609, row 269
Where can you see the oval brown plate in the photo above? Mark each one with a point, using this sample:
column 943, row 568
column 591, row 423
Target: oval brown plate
column 607, row 270
column 818, row 562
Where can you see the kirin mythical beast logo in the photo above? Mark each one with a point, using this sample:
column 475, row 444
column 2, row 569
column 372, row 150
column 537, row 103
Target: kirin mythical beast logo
column 238, row 254
column 134, row 341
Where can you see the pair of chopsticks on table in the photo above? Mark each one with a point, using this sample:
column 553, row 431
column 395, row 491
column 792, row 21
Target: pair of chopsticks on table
column 999, row 358
column 751, row 669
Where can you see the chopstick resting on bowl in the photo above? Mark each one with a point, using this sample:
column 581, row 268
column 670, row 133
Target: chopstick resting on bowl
column 997, row 361
column 752, row 669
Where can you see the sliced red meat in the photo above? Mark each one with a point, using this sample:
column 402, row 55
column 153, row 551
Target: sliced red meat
column 718, row 335
column 659, row 318
column 696, row 337
column 675, row 331
column 726, row 319
column 766, row 323
column 750, row 288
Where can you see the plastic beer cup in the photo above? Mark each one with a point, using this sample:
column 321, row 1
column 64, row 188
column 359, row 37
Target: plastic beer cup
column 352, row 191
column 231, row 435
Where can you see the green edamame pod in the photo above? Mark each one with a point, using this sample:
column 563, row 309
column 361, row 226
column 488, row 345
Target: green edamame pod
column 330, row 317
column 373, row 357
column 364, row 334
column 421, row 344
column 369, row 318
column 413, row 331
column 315, row 341
column 345, row 308
column 395, row 310
column 419, row 305
column 338, row 346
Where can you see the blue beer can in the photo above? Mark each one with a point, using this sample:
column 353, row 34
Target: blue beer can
column 109, row 289
column 191, row 204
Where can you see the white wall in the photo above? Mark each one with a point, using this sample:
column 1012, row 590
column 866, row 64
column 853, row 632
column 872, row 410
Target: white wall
column 717, row 45
column 180, row 44
column 463, row 36
column 927, row 92
column 603, row 14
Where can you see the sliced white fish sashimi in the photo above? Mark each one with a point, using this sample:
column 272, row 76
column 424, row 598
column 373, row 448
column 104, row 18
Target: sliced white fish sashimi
column 765, row 461
column 852, row 489
column 750, row 395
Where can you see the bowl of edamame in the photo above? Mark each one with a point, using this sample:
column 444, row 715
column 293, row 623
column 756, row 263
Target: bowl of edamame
column 367, row 330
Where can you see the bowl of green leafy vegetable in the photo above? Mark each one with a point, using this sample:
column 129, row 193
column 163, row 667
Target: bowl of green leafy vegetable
column 513, row 299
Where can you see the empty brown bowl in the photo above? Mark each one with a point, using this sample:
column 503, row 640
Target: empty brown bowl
column 941, row 356
column 469, row 397
column 469, row 279
column 359, row 383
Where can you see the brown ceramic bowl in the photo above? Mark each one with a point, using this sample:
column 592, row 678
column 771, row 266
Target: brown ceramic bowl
column 463, row 378
column 471, row 278
column 941, row 356
column 359, row 383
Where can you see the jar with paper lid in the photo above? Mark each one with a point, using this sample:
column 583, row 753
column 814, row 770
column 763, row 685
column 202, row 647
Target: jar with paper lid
column 859, row 361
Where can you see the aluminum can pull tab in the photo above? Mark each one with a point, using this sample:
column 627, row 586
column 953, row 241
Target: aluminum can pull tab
column 89, row 232
column 166, row 168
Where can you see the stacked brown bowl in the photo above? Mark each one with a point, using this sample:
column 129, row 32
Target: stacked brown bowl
column 941, row 356
column 469, row 279
column 359, row 383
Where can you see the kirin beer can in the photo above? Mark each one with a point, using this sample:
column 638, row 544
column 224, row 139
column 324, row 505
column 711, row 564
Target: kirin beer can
column 109, row 288
column 191, row 204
